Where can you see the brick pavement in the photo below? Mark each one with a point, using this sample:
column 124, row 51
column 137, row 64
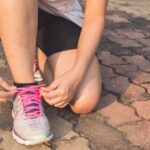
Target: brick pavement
column 121, row 121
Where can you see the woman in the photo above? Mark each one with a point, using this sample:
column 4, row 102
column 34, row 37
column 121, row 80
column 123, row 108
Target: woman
column 67, row 45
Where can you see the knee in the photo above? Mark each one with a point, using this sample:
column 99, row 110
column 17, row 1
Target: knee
column 81, row 111
column 84, row 108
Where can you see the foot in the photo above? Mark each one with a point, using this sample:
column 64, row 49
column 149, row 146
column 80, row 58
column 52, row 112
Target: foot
column 30, row 122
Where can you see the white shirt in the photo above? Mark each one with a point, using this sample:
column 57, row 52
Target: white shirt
column 69, row 9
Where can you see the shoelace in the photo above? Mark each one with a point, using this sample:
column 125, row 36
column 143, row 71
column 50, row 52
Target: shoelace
column 31, row 101
column 35, row 65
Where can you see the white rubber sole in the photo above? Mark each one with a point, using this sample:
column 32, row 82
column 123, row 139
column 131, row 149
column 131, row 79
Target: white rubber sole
column 37, row 140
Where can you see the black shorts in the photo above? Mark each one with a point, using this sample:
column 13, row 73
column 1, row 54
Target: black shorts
column 56, row 34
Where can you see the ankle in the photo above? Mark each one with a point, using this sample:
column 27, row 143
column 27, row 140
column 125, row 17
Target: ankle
column 24, row 84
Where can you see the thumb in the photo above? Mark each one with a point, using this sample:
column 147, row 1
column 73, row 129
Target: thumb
column 52, row 86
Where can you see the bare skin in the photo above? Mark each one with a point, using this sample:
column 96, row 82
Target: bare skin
column 6, row 90
column 18, row 29
column 77, row 81
column 76, row 72
column 88, row 94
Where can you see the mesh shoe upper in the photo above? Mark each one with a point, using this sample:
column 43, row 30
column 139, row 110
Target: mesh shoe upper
column 28, row 113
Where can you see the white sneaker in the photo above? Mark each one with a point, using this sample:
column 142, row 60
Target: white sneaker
column 30, row 122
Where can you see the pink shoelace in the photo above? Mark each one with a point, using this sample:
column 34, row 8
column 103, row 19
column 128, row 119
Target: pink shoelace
column 36, row 66
column 31, row 101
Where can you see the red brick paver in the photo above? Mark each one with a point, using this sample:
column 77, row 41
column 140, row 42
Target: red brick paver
column 133, row 93
column 142, row 78
column 115, row 112
column 139, row 61
column 117, row 85
column 142, row 108
column 131, row 34
column 147, row 86
column 117, row 19
column 138, row 134
column 121, row 120
column 121, row 39
column 107, row 74
column 108, row 59
column 129, row 70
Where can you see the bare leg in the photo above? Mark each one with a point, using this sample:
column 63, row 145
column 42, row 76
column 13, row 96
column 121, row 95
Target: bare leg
column 18, row 29
column 44, row 67
column 85, row 100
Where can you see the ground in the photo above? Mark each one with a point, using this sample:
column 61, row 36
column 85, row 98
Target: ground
column 121, row 120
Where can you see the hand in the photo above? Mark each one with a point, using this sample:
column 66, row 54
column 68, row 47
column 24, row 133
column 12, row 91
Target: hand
column 6, row 90
column 61, row 91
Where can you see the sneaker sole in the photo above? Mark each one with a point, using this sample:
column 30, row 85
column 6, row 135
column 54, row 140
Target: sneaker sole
column 38, row 140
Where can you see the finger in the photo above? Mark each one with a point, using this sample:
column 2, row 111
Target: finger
column 64, row 105
column 54, row 101
column 61, row 105
column 52, row 86
column 5, row 85
column 3, row 100
column 50, row 95
column 4, row 94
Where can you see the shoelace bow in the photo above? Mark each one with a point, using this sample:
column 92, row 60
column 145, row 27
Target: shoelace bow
column 31, row 101
column 36, row 66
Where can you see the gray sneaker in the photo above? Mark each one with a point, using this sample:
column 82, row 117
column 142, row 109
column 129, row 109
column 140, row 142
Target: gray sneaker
column 30, row 122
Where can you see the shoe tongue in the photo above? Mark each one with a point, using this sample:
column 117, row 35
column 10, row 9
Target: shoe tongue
column 30, row 92
column 33, row 103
